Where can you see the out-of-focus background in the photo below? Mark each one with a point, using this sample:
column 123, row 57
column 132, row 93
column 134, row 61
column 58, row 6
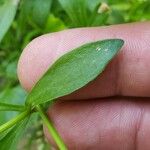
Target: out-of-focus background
column 23, row 20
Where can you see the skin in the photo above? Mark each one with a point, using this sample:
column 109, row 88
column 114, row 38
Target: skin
column 113, row 111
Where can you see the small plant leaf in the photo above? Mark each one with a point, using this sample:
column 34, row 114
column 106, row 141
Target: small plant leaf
column 83, row 12
column 36, row 11
column 7, row 14
column 79, row 16
column 74, row 70
column 10, row 140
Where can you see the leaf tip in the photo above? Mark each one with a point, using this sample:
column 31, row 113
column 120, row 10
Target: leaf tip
column 119, row 42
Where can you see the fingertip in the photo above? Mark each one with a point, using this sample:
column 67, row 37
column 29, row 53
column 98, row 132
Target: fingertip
column 35, row 59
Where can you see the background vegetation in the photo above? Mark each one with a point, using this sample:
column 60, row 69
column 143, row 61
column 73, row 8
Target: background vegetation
column 23, row 20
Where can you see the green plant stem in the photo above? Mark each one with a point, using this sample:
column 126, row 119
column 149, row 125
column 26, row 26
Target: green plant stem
column 15, row 120
column 51, row 129
column 11, row 107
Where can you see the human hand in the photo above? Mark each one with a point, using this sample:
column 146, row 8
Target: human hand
column 115, row 112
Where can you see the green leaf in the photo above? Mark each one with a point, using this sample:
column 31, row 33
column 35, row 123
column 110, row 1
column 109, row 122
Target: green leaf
column 74, row 70
column 83, row 12
column 7, row 14
column 76, row 10
column 10, row 140
column 53, row 24
column 36, row 11
column 12, row 95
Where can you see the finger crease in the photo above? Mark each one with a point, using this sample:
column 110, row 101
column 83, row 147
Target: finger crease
column 138, row 128
column 117, row 82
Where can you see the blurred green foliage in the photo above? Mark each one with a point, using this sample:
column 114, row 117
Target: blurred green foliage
column 23, row 20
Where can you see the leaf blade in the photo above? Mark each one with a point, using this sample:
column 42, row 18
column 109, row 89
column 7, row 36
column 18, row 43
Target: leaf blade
column 78, row 67
column 7, row 14
column 10, row 140
column 36, row 11
column 80, row 7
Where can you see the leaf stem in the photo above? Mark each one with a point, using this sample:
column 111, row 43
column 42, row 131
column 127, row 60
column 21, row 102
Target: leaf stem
column 15, row 120
column 54, row 133
column 11, row 107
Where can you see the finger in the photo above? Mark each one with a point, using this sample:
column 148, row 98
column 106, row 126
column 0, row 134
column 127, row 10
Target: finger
column 100, row 124
column 128, row 74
